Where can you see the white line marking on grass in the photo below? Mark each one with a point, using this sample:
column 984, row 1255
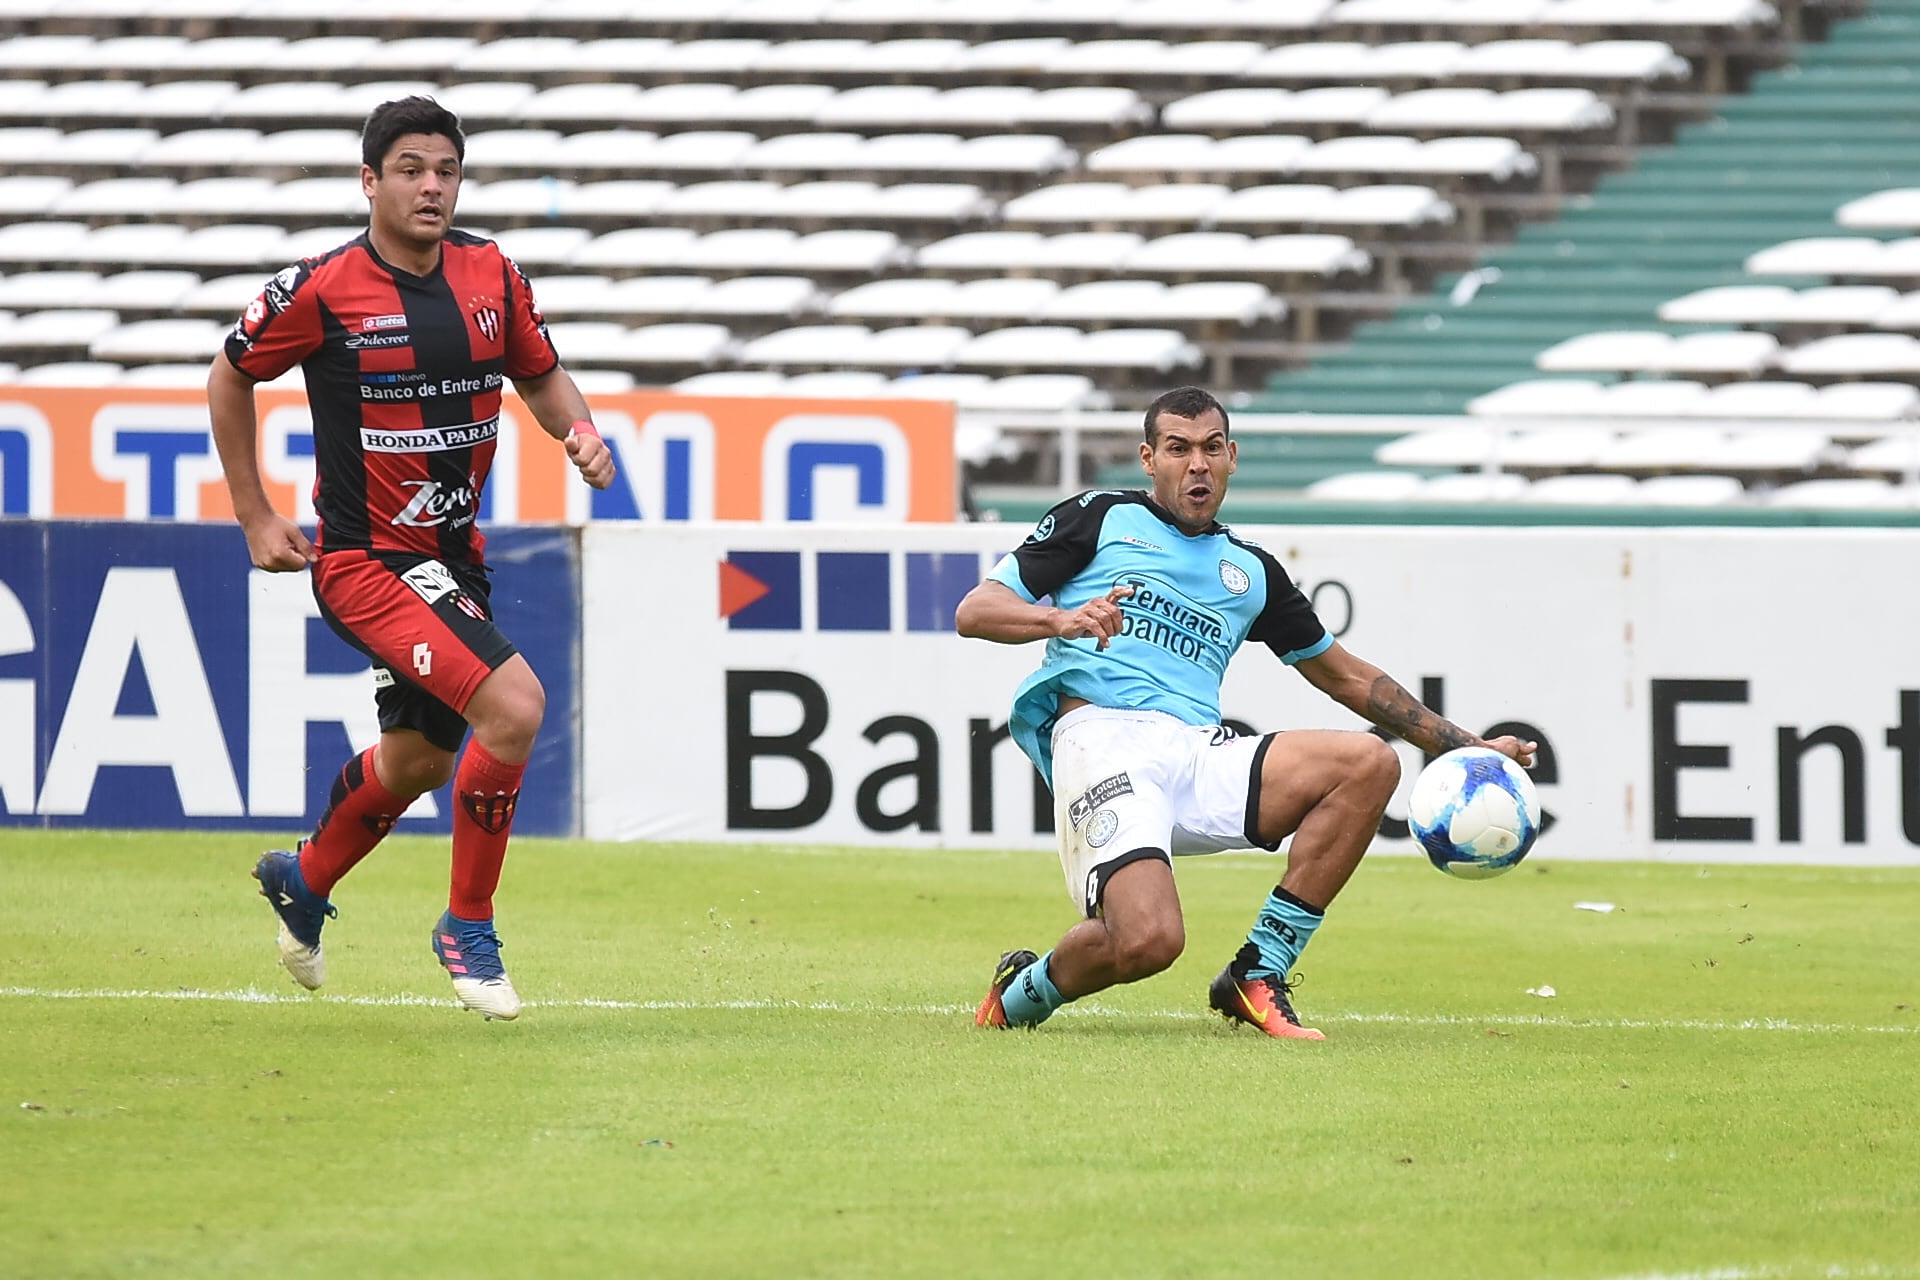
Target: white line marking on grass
column 1091, row 1009
column 1833, row 1271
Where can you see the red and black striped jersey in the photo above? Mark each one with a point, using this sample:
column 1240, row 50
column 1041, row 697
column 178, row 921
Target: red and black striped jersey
column 404, row 376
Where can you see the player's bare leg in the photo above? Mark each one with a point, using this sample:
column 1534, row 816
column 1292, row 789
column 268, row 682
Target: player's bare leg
column 505, row 713
column 1327, row 789
column 1138, row 933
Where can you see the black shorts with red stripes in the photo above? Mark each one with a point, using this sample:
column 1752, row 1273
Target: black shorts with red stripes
column 428, row 627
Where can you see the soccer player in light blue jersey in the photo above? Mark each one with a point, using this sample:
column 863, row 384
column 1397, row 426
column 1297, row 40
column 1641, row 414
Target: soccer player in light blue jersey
column 1142, row 598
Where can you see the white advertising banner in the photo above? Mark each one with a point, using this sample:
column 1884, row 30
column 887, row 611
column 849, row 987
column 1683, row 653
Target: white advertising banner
column 1736, row 695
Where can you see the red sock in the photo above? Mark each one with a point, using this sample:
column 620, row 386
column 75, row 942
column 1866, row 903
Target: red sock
column 485, row 791
column 359, row 814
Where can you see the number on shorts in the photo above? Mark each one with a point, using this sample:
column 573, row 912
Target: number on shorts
column 423, row 659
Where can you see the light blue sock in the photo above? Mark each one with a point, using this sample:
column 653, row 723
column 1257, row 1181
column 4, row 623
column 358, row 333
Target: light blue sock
column 1032, row 997
column 1281, row 933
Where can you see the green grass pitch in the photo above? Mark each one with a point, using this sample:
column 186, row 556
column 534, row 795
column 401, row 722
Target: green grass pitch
column 747, row 1061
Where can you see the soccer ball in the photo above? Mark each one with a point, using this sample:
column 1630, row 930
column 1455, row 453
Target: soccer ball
column 1475, row 813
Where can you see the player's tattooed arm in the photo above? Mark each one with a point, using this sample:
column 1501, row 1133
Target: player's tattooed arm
column 1390, row 706
column 1372, row 694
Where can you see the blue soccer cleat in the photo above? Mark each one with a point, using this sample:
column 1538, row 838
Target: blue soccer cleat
column 301, row 912
column 469, row 951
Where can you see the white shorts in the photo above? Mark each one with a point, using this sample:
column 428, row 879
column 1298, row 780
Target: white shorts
column 1141, row 784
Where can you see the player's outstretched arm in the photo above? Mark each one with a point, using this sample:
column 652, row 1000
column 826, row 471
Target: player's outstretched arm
column 561, row 410
column 994, row 611
column 275, row 543
column 1371, row 693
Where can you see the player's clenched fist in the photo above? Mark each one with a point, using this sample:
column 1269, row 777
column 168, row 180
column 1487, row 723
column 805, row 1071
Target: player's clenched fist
column 1100, row 618
column 590, row 453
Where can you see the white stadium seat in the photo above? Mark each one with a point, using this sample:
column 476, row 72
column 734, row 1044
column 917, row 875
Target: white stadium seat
column 224, row 295
column 1566, row 444
column 1667, row 449
column 733, row 382
column 160, row 340
column 72, row 373
column 58, row 329
column 1631, row 350
column 997, row 298
column 761, row 296
column 1464, row 445
column 1541, row 397
column 31, row 290
column 143, row 291
column 1868, row 401
column 234, row 199
column 808, row 345
column 1474, row 486
column 1817, row 256
column 927, row 346
column 679, row 344
column 1602, row 490
column 1366, row 486
column 656, row 295
column 543, row 246
column 1855, row 353
column 882, row 298
column 1854, row 492
column 1037, row 393
column 1656, row 398
column 837, row 384
column 1895, row 210
column 487, row 100
column 1898, row 453
column 638, row 247
column 1691, row 491
column 513, row 198
column 1027, row 346
column 616, row 197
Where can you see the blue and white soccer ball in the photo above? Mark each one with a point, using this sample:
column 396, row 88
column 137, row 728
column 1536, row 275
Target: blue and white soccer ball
column 1475, row 812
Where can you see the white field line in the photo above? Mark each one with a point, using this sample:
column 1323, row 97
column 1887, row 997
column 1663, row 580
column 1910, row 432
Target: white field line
column 1812, row 1271
column 253, row 995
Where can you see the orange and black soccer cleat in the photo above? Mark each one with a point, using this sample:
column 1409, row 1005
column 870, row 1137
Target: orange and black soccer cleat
column 1262, row 1003
column 990, row 1014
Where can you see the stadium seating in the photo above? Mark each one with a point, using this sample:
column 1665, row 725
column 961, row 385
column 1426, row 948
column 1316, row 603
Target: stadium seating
column 1035, row 207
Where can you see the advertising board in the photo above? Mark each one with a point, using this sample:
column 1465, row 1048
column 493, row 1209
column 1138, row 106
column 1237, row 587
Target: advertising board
column 1698, row 694
column 150, row 677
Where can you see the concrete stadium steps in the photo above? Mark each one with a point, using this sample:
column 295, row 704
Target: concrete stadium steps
column 1774, row 164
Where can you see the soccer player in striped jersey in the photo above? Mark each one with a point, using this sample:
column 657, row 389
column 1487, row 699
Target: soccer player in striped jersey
column 1142, row 598
column 406, row 336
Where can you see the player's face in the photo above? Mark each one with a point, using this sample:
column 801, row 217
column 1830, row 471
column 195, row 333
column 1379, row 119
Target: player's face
column 1189, row 462
column 414, row 193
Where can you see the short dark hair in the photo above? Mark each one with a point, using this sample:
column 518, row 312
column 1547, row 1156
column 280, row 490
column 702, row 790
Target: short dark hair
column 1183, row 402
column 392, row 121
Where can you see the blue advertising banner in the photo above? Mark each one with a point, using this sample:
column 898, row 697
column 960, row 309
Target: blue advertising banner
column 149, row 677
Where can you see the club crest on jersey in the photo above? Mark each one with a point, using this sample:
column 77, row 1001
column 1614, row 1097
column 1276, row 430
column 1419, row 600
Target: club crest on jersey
column 1102, row 828
column 486, row 317
column 1234, row 578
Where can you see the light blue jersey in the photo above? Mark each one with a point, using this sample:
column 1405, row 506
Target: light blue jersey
column 1196, row 599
